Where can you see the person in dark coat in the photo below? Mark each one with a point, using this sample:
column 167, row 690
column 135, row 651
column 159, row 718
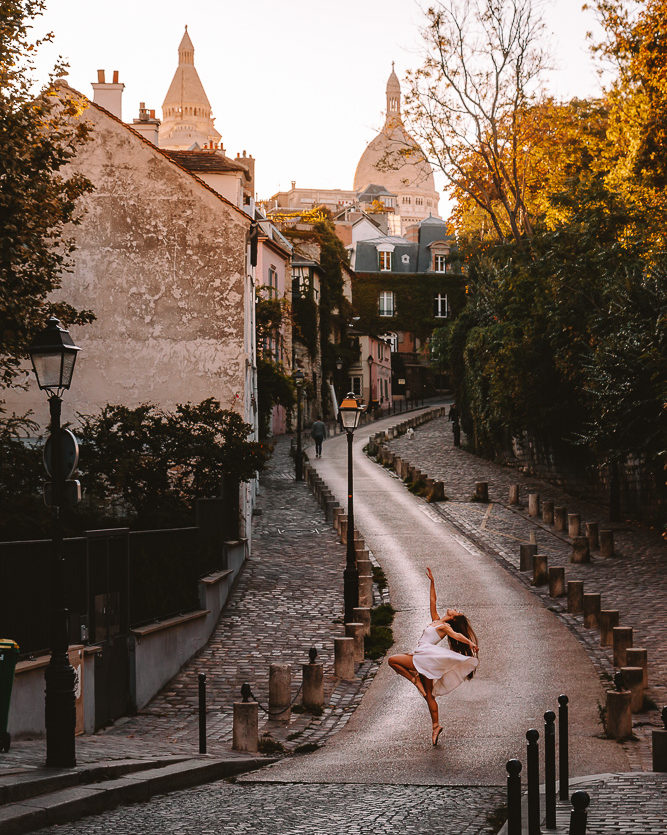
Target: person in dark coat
column 318, row 433
column 456, row 426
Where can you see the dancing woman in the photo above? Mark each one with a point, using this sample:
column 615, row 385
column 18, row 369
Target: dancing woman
column 435, row 670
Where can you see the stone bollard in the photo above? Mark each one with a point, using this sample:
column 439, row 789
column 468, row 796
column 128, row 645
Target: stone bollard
column 593, row 536
column 575, row 597
column 245, row 730
column 364, row 566
column 606, row 544
column 608, row 620
column 580, row 552
column 633, row 678
column 514, row 494
column 313, row 686
column 482, row 491
column 548, row 512
column 337, row 512
column 366, row 590
column 556, row 581
column 573, row 525
column 540, row 570
column 527, row 551
column 621, row 640
column 362, row 614
column 560, row 517
column 329, row 508
column 280, row 680
column 659, row 740
column 591, row 609
column 344, row 658
column 619, row 717
column 356, row 632
column 343, row 529
column 338, row 519
column 533, row 537
column 533, row 504
column 638, row 657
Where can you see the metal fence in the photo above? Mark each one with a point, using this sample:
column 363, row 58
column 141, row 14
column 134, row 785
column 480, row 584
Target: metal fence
column 115, row 579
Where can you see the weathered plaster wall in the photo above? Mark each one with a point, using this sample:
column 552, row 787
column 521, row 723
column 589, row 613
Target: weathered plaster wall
column 162, row 262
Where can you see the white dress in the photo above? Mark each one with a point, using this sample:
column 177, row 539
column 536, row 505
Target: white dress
column 446, row 668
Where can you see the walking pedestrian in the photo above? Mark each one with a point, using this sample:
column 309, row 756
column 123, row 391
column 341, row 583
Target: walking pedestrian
column 454, row 418
column 318, row 433
column 434, row 670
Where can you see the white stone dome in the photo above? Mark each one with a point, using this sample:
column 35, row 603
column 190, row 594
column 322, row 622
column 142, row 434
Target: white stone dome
column 393, row 159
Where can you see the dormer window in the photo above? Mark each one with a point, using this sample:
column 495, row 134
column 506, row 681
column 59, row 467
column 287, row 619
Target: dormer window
column 384, row 261
column 440, row 263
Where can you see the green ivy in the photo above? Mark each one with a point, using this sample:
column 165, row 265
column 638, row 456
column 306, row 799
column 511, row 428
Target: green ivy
column 274, row 387
column 413, row 293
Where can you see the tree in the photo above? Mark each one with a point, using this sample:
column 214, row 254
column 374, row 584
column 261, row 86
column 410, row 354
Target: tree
column 467, row 105
column 38, row 199
column 155, row 463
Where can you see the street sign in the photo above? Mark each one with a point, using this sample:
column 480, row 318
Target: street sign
column 69, row 451
column 71, row 493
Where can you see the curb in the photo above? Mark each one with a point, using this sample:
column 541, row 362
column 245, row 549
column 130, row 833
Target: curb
column 74, row 802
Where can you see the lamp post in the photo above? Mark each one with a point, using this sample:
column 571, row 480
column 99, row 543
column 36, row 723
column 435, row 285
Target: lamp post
column 53, row 355
column 298, row 382
column 350, row 412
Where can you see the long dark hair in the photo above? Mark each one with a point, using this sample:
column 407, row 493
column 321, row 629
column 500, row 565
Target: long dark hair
column 460, row 623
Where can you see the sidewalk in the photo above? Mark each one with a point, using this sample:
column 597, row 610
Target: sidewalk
column 289, row 597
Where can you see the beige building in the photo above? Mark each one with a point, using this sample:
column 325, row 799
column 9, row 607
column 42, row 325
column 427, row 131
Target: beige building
column 161, row 259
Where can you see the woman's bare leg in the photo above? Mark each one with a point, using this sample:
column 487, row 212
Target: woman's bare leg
column 402, row 664
column 433, row 710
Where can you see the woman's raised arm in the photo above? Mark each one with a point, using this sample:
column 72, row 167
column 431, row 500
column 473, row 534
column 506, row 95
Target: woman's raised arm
column 434, row 610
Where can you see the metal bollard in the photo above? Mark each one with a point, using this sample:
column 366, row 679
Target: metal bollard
column 550, row 769
column 202, row 713
column 563, row 758
column 513, row 797
column 533, row 769
column 579, row 815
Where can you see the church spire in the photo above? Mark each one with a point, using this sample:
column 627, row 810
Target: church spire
column 186, row 50
column 393, row 96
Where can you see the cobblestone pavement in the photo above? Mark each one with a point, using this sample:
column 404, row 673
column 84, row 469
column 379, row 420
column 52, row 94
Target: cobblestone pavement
column 622, row 804
column 287, row 599
column 634, row 581
column 302, row 809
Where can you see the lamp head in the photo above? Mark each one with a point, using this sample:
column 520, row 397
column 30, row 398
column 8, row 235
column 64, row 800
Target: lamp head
column 350, row 412
column 53, row 355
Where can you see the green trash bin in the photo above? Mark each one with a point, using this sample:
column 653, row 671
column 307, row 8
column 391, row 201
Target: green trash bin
column 9, row 653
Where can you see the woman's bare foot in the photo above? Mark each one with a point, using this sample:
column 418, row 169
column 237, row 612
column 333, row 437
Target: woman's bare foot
column 437, row 730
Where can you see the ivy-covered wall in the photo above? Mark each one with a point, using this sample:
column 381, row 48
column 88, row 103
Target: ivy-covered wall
column 413, row 301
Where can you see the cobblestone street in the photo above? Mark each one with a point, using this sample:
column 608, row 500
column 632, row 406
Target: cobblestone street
column 298, row 809
column 288, row 598
column 634, row 581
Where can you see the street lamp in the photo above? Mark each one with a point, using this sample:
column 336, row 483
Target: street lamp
column 298, row 382
column 53, row 355
column 350, row 412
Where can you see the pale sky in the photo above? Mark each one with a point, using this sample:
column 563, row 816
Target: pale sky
column 299, row 84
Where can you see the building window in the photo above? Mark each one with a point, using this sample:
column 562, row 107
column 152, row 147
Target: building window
column 355, row 385
column 386, row 303
column 440, row 263
column 301, row 282
column 440, row 307
column 406, row 200
column 392, row 341
column 405, row 258
column 384, row 261
column 273, row 282
column 419, row 201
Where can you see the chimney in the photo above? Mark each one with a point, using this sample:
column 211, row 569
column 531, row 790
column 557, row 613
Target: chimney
column 109, row 95
column 147, row 125
column 248, row 162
